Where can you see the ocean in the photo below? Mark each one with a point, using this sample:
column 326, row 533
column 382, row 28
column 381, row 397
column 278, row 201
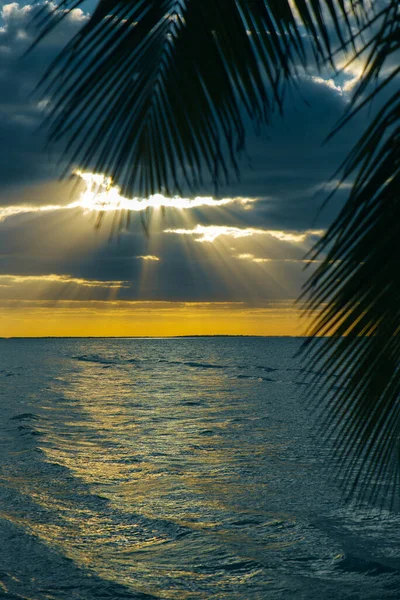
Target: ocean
column 186, row 468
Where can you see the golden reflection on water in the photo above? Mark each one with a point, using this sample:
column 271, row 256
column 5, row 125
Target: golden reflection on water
column 147, row 463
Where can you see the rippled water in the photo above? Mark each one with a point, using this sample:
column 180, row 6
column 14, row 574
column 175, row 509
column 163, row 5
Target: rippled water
column 180, row 468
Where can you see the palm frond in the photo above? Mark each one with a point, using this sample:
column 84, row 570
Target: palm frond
column 152, row 92
column 357, row 291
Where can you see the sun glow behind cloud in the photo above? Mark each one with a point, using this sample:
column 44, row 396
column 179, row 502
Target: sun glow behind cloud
column 210, row 233
column 11, row 280
column 100, row 195
column 12, row 211
column 148, row 257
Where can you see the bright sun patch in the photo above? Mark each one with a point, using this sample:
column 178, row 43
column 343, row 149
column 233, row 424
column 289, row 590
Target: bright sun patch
column 101, row 195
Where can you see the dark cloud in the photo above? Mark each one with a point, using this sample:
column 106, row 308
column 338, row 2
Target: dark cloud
column 23, row 159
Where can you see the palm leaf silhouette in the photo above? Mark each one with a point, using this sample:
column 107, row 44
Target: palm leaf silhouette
column 154, row 93
column 357, row 291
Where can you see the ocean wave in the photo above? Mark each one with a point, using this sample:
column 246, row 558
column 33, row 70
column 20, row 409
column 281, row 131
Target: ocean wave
column 258, row 367
column 24, row 417
column 95, row 358
column 192, row 364
column 355, row 564
column 6, row 373
column 58, row 577
column 254, row 377
column 197, row 365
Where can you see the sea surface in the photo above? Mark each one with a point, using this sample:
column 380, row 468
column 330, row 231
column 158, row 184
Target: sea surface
column 179, row 469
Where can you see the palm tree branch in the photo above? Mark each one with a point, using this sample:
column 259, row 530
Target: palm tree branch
column 206, row 59
column 356, row 289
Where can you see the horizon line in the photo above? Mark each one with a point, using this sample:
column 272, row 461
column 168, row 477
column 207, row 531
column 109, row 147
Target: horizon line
column 145, row 337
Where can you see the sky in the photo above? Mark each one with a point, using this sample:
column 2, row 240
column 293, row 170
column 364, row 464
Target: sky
column 232, row 264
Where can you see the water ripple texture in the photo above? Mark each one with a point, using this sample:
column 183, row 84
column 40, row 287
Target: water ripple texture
column 175, row 469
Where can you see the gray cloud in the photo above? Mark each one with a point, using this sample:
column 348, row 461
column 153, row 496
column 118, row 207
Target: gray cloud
column 23, row 159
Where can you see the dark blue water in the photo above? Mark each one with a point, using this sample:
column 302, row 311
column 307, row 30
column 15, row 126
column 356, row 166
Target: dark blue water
column 178, row 469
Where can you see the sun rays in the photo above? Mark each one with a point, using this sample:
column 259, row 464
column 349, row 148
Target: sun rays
column 214, row 252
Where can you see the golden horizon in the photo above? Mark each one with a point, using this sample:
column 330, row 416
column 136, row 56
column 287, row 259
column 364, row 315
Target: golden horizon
column 151, row 319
